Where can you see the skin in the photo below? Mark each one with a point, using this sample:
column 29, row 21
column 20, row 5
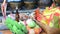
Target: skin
column 3, row 8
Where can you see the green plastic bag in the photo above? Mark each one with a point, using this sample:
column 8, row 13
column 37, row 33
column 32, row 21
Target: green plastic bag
column 20, row 32
column 24, row 29
column 9, row 26
column 15, row 27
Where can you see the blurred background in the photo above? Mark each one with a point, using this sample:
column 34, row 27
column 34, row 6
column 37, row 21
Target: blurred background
column 26, row 6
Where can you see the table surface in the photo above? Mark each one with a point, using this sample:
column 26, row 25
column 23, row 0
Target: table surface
column 5, row 32
column 9, row 32
column 3, row 26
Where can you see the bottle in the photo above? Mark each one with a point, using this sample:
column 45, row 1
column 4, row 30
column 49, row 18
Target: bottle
column 17, row 16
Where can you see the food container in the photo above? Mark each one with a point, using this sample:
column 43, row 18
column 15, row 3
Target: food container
column 49, row 30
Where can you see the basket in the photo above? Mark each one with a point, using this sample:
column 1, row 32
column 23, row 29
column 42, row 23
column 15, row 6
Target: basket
column 47, row 29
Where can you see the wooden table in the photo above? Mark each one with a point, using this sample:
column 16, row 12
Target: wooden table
column 6, row 31
column 9, row 32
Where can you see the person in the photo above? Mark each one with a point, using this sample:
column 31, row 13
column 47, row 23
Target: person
column 3, row 8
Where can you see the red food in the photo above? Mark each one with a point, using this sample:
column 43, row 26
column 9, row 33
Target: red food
column 37, row 14
column 49, row 20
column 57, row 14
column 39, row 18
